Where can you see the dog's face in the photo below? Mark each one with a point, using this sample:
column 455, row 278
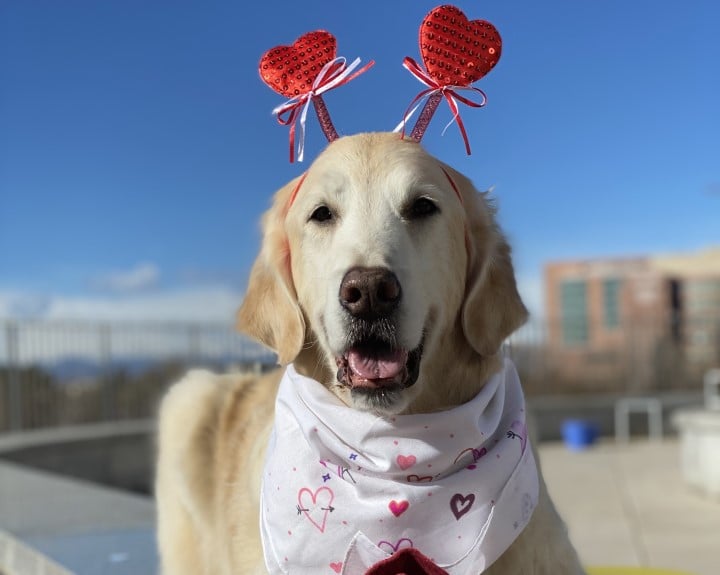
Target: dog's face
column 375, row 261
column 380, row 260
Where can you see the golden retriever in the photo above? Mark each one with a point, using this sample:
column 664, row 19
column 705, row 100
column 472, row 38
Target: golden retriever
column 382, row 275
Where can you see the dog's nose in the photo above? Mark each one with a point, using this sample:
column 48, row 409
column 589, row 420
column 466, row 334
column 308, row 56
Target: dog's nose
column 370, row 293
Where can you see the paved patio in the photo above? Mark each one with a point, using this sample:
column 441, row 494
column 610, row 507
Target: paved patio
column 624, row 504
column 86, row 528
column 627, row 505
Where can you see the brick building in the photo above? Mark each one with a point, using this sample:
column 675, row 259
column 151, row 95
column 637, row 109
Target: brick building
column 639, row 322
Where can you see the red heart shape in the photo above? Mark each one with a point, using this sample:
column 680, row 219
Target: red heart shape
column 337, row 567
column 291, row 70
column 398, row 507
column 457, row 52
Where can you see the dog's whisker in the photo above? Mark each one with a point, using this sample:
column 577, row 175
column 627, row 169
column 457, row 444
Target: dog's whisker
column 382, row 330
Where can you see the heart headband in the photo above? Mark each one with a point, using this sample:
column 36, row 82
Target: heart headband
column 455, row 51
column 304, row 72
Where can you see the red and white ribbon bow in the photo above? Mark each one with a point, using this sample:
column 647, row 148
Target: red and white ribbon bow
column 436, row 89
column 335, row 73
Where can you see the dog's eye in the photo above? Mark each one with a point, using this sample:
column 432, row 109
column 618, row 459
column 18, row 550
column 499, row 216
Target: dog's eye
column 321, row 214
column 422, row 208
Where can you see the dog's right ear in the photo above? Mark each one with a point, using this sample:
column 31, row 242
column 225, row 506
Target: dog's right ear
column 270, row 312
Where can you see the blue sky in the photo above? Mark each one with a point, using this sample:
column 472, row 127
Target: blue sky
column 137, row 148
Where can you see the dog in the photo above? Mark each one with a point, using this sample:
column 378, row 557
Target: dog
column 384, row 279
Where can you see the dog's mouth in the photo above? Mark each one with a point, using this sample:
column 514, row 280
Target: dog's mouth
column 378, row 371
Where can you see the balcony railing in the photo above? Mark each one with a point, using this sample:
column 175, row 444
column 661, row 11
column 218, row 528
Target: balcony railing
column 55, row 373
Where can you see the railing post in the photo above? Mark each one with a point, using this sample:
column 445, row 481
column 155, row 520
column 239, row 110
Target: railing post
column 194, row 347
column 711, row 389
column 14, row 392
column 108, row 386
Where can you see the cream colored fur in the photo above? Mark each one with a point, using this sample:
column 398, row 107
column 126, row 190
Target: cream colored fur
column 458, row 290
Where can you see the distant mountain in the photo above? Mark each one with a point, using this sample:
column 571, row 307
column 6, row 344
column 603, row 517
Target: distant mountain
column 74, row 368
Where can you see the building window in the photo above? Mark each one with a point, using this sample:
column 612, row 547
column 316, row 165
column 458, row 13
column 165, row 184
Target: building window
column 703, row 295
column 573, row 301
column 611, row 303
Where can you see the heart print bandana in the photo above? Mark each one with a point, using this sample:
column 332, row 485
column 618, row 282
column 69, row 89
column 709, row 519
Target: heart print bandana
column 343, row 489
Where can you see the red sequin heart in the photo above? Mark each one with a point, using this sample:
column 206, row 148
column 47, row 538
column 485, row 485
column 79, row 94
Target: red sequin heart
column 291, row 70
column 457, row 52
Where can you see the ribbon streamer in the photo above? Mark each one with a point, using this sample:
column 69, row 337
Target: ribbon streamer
column 334, row 74
column 435, row 88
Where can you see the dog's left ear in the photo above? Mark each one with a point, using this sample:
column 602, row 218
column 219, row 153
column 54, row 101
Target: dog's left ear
column 492, row 309
column 270, row 312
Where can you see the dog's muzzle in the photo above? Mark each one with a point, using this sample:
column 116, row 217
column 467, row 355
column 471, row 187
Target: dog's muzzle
column 374, row 365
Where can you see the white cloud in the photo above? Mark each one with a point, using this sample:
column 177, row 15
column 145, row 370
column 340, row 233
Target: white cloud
column 181, row 323
column 200, row 304
column 210, row 305
column 140, row 277
column 23, row 305
column 207, row 304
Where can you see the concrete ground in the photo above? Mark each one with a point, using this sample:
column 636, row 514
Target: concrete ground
column 624, row 505
column 628, row 505
column 86, row 528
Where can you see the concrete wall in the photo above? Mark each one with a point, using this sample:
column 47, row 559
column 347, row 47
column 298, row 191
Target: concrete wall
column 120, row 455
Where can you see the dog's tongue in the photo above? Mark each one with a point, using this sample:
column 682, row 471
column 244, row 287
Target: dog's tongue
column 383, row 366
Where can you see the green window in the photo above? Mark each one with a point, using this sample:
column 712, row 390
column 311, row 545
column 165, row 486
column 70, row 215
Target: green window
column 611, row 303
column 573, row 302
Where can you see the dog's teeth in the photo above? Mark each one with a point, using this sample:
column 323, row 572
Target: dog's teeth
column 342, row 374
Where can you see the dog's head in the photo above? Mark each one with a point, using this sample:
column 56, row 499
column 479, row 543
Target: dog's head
column 383, row 274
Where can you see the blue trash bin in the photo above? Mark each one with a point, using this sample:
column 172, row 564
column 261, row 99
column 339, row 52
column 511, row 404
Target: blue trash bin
column 579, row 434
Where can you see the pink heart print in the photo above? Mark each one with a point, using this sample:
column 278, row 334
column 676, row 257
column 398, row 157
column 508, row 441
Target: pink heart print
column 476, row 454
column 337, row 566
column 406, row 461
column 316, row 506
column 398, row 507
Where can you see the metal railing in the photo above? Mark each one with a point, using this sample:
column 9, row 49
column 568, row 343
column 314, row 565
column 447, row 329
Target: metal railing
column 55, row 373
column 636, row 357
column 63, row 373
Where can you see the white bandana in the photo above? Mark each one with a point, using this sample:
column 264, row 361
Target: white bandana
column 343, row 489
